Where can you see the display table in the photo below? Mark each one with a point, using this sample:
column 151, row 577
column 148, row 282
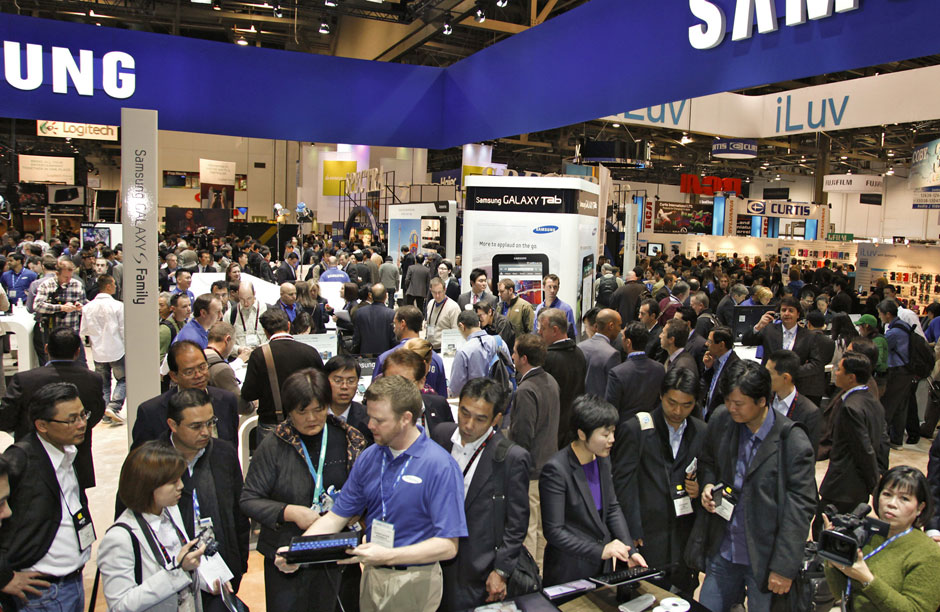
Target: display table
column 20, row 322
column 604, row 599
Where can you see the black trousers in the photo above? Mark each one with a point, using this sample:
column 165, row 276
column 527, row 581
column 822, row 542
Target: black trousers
column 895, row 399
column 931, row 416
column 413, row 300
column 312, row 589
column 912, row 423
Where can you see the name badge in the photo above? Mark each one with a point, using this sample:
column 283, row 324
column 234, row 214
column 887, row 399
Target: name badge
column 13, row 293
column 681, row 501
column 431, row 331
column 252, row 340
column 725, row 503
column 84, row 528
column 383, row 533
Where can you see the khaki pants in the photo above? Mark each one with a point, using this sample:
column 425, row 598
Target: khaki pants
column 534, row 540
column 416, row 589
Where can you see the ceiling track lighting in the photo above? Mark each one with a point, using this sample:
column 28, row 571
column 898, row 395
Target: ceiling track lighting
column 502, row 3
column 324, row 28
column 480, row 15
column 330, row 3
column 216, row 5
column 278, row 12
column 241, row 41
column 448, row 29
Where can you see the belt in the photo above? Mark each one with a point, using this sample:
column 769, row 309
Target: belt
column 402, row 568
column 59, row 579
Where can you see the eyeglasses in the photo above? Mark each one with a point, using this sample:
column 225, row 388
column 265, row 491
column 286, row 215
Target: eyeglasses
column 345, row 382
column 202, row 368
column 72, row 420
column 197, row 427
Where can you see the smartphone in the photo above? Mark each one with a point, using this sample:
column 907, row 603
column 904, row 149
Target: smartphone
column 526, row 271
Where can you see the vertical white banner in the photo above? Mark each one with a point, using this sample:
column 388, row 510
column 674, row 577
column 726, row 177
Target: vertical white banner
column 629, row 237
column 139, row 172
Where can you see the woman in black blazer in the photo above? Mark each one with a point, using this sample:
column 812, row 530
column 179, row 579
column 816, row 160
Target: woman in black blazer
column 582, row 521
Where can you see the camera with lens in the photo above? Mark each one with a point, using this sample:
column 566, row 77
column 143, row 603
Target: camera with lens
column 849, row 532
column 206, row 537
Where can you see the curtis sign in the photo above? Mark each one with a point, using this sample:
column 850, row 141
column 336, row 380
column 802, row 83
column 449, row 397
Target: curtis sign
column 709, row 185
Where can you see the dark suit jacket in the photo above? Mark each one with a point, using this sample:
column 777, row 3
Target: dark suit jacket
column 217, row 480
column 289, row 356
column 626, row 300
column 151, row 416
column 465, row 575
column 164, row 279
column 641, row 460
column 466, row 298
column 804, row 345
column 804, row 411
column 364, row 272
column 436, row 411
column 683, row 360
column 718, row 397
column 633, row 386
column 372, row 329
column 567, row 365
column 14, row 408
column 653, row 347
column 417, row 281
column 601, row 358
column 284, row 273
column 777, row 528
column 575, row 532
column 406, row 262
column 534, row 423
column 696, row 347
column 358, row 418
column 853, row 471
column 724, row 312
column 35, row 499
column 813, row 375
column 209, row 269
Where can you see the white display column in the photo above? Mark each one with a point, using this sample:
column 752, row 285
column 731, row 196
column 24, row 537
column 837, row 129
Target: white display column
column 139, row 171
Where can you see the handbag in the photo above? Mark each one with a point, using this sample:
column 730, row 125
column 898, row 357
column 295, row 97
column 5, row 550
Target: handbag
column 524, row 578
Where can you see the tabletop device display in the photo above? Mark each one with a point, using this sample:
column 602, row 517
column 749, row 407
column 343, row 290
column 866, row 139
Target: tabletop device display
column 631, row 574
column 329, row 548
column 526, row 271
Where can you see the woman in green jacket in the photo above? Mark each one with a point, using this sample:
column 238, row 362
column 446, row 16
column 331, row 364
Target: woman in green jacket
column 897, row 573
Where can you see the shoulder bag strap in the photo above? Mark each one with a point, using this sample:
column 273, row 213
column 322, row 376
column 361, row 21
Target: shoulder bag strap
column 499, row 496
column 138, row 570
column 272, row 379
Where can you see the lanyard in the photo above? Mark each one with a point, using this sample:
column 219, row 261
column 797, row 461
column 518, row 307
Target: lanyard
column 440, row 311
column 245, row 327
column 196, row 513
column 166, row 555
column 382, row 482
column 853, row 390
column 318, row 475
column 848, row 584
column 477, row 452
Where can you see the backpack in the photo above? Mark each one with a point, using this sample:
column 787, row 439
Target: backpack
column 605, row 289
column 921, row 355
column 170, row 327
column 500, row 368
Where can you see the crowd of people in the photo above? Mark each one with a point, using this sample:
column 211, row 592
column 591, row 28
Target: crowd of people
column 637, row 434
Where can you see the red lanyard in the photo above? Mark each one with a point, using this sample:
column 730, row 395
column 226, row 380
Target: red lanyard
column 477, row 452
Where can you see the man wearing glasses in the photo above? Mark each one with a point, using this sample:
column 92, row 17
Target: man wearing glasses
column 47, row 541
column 189, row 370
column 343, row 372
column 212, row 482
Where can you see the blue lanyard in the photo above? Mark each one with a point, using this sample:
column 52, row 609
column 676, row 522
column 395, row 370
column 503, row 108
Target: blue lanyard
column 848, row 584
column 382, row 482
column 196, row 515
column 318, row 475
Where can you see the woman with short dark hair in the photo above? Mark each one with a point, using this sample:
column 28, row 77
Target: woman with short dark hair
column 584, row 527
column 898, row 572
column 293, row 478
column 150, row 487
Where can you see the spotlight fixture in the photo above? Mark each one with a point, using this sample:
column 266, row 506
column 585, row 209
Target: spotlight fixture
column 685, row 138
column 241, row 41
column 480, row 15
column 502, row 3
column 615, row 125
column 278, row 13
column 844, row 157
column 330, row 3
column 324, row 28
column 890, row 153
column 890, row 171
column 216, row 5
column 448, row 29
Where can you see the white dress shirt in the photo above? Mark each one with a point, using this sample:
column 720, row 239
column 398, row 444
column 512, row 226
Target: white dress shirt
column 103, row 323
column 782, row 406
column 63, row 556
column 675, row 437
column 789, row 337
column 462, row 455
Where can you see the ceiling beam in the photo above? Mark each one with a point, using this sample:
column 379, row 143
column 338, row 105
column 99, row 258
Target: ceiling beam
column 495, row 26
column 543, row 14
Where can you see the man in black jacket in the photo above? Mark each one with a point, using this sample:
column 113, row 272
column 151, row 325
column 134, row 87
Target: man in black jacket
column 633, row 386
column 373, row 332
column 815, row 380
column 626, row 299
column 287, row 355
column 39, row 546
column 719, row 357
column 489, row 554
column 650, row 460
column 649, row 318
column 754, row 538
column 857, row 424
column 287, row 270
column 783, row 366
column 566, row 364
column 212, row 484
column 63, row 347
column 189, row 370
column 343, row 372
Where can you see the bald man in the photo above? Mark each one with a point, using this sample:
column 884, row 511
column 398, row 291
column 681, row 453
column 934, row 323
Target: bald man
column 288, row 300
column 626, row 299
column 601, row 357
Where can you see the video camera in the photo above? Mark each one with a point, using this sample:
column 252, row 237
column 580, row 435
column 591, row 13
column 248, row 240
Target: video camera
column 848, row 534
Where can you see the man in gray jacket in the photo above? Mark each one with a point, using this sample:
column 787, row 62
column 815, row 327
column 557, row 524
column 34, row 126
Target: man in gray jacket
column 600, row 356
column 388, row 277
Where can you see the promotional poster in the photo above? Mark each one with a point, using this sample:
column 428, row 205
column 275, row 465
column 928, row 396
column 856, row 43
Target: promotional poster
column 683, row 218
column 217, row 184
column 189, row 220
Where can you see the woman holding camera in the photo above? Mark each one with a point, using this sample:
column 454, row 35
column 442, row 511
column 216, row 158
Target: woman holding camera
column 896, row 573
column 150, row 487
column 290, row 481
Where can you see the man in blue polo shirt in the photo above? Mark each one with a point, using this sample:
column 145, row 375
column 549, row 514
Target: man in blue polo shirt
column 551, row 284
column 17, row 279
column 206, row 311
column 410, row 491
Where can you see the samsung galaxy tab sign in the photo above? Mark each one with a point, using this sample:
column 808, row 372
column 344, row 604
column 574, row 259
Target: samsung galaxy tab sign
column 23, row 69
column 711, row 32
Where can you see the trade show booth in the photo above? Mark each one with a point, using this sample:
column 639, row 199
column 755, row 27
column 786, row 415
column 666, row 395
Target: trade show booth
column 526, row 227
column 423, row 226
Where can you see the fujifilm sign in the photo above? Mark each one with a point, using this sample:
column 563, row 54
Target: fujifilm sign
column 711, row 32
column 117, row 77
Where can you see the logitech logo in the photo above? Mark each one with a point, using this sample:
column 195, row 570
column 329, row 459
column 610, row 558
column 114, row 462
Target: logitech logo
column 545, row 229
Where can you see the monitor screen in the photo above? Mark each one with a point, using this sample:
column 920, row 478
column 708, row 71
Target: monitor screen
column 654, row 248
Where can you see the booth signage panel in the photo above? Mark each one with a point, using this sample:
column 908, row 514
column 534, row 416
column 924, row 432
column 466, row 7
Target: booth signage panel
column 523, row 200
column 87, row 74
column 853, row 183
column 925, row 166
column 46, row 169
column 684, row 217
column 81, row 131
column 734, row 149
column 787, row 210
column 840, row 237
column 742, row 225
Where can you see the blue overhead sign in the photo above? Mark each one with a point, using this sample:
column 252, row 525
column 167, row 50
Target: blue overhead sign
column 531, row 81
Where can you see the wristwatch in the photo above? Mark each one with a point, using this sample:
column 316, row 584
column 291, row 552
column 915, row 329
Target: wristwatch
column 865, row 584
column 505, row 575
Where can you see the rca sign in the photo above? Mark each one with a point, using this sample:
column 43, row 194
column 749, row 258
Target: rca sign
column 709, row 185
